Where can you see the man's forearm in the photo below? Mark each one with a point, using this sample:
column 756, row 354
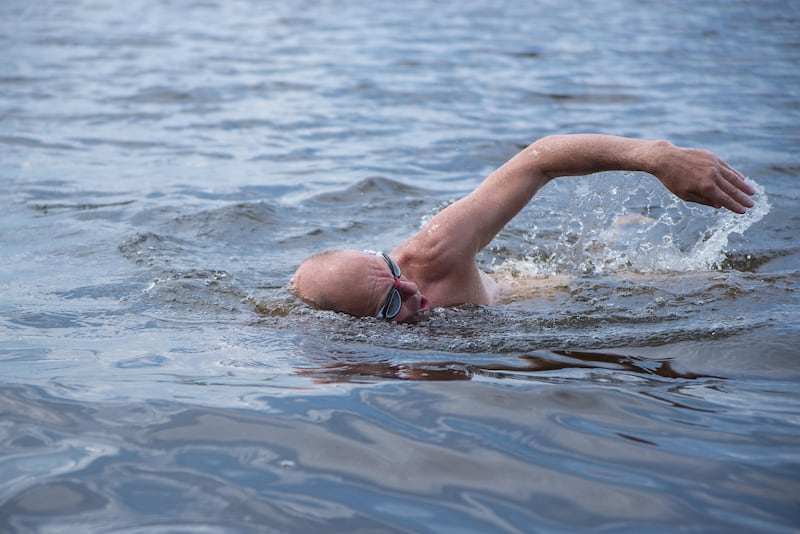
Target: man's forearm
column 583, row 154
column 692, row 174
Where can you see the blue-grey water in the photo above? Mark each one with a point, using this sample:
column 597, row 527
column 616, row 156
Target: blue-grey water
column 165, row 166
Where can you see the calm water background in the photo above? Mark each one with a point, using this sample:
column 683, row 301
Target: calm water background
column 164, row 167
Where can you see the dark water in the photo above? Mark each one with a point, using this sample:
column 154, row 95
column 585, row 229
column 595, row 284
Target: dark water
column 164, row 167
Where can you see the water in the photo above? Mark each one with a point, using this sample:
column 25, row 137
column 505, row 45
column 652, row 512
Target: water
column 166, row 165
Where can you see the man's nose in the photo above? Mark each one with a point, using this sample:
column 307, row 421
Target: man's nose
column 407, row 288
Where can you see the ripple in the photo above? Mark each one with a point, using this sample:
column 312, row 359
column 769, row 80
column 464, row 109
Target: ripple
column 180, row 385
column 368, row 190
column 45, row 208
column 30, row 142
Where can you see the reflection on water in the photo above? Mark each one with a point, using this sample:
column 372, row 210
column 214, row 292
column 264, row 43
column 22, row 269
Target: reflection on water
column 367, row 458
column 525, row 367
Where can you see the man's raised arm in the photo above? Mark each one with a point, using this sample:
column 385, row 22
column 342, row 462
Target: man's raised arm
column 465, row 227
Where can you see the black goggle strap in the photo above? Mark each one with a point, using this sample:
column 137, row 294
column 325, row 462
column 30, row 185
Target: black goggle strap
column 393, row 267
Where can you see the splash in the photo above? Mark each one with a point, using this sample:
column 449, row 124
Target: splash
column 642, row 229
column 709, row 252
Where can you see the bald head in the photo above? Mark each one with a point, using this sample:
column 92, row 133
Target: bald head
column 338, row 280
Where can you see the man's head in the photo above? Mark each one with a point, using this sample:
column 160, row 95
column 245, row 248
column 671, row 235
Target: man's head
column 357, row 283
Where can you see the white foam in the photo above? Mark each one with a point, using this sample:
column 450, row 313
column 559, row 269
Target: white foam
column 642, row 230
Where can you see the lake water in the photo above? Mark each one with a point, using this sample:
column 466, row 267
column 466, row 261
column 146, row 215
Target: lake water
column 165, row 166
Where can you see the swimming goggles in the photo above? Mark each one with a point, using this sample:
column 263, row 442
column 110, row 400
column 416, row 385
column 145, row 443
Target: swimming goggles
column 394, row 302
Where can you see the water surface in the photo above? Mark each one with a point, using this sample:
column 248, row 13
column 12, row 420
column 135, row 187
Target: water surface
column 166, row 166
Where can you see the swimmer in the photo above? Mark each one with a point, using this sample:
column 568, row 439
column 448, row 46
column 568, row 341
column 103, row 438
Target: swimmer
column 437, row 266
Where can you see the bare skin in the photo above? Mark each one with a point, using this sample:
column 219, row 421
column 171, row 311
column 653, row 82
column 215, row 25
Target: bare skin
column 439, row 262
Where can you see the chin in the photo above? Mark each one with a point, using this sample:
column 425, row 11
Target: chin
column 415, row 317
column 420, row 306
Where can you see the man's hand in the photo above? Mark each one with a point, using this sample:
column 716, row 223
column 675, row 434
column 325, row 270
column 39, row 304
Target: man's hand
column 699, row 176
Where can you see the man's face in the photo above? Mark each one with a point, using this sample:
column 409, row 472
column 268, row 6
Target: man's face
column 356, row 283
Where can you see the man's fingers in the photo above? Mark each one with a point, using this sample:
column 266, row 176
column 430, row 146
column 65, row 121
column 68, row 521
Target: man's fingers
column 721, row 194
column 735, row 197
column 737, row 179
